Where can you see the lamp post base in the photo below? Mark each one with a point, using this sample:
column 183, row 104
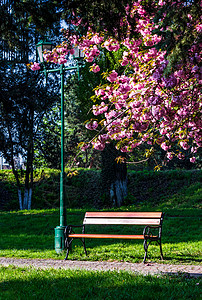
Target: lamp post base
column 59, row 239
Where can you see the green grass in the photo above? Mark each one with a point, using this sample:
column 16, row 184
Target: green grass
column 30, row 283
column 30, row 234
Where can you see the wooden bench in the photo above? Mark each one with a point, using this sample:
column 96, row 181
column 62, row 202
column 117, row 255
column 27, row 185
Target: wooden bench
column 151, row 220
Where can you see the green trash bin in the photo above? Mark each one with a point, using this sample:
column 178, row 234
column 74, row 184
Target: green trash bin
column 59, row 239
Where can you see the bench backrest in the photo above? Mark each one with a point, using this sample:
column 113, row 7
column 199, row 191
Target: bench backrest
column 123, row 218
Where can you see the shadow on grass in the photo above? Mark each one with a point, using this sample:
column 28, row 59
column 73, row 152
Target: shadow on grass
column 28, row 283
column 40, row 246
column 182, row 259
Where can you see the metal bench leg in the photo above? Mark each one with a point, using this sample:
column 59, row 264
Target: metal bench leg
column 68, row 246
column 145, row 249
column 84, row 245
column 83, row 240
column 161, row 250
column 67, row 254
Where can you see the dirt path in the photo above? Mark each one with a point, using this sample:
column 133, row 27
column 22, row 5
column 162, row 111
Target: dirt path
column 148, row 268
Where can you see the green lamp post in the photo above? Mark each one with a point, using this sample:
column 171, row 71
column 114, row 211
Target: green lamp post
column 48, row 46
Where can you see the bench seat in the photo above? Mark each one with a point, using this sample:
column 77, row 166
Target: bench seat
column 106, row 236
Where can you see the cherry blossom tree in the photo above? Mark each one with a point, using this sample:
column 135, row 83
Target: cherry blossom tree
column 143, row 104
column 152, row 97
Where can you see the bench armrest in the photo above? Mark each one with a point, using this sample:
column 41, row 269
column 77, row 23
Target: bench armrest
column 68, row 229
column 147, row 232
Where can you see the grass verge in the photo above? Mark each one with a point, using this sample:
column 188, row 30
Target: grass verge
column 30, row 283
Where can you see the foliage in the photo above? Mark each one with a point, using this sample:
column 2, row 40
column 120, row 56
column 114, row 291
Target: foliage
column 23, row 97
column 85, row 189
column 175, row 20
column 140, row 104
column 23, row 102
column 77, row 106
column 21, row 17
column 178, row 29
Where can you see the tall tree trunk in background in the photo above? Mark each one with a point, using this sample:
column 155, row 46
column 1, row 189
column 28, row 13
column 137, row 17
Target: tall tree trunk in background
column 26, row 202
column 28, row 182
column 13, row 167
column 27, row 175
column 29, row 169
column 114, row 177
column 31, row 172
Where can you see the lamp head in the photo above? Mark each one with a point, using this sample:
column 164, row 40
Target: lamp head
column 78, row 53
column 42, row 46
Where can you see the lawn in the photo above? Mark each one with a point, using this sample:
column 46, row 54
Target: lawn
column 30, row 283
column 30, row 234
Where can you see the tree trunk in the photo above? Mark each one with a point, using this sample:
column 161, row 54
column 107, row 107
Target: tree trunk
column 26, row 195
column 29, row 169
column 118, row 192
column 21, row 204
column 114, row 177
column 20, row 198
column 29, row 199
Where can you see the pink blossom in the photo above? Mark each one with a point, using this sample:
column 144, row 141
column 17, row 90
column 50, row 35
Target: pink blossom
column 161, row 3
column 72, row 51
column 89, row 59
column 97, row 39
column 199, row 27
column 180, row 156
column 95, row 68
column 111, row 45
column 35, row 66
column 124, row 88
column 193, row 150
column 125, row 149
column 99, row 92
column 165, row 147
column 92, row 125
column 62, row 60
column 111, row 114
column 100, row 109
column 192, row 159
column 112, row 76
column 94, row 51
column 104, row 137
column 154, row 100
column 169, row 155
column 184, row 145
column 125, row 62
column 98, row 145
column 84, row 147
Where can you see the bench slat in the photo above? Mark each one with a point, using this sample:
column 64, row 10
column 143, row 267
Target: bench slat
column 106, row 236
column 111, row 221
column 147, row 215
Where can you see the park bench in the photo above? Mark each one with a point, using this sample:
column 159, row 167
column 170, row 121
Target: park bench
column 151, row 220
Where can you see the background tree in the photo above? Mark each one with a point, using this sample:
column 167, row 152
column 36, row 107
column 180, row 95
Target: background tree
column 23, row 102
column 23, row 97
